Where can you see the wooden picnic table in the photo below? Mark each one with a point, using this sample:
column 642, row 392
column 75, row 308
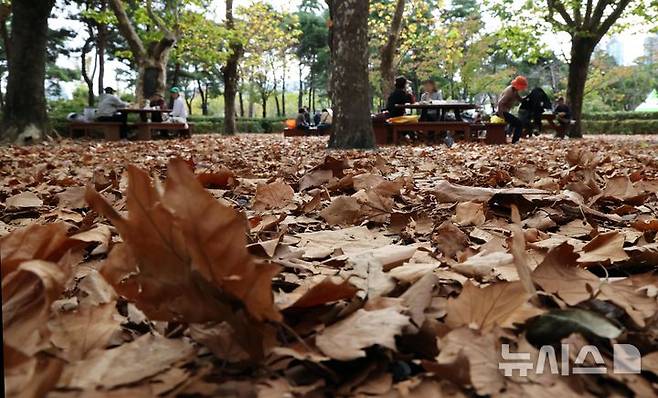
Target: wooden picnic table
column 442, row 107
column 144, row 113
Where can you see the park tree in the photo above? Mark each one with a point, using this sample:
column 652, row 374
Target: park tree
column 230, row 71
column 352, row 127
column 586, row 22
column 312, row 50
column 269, row 34
column 24, row 116
column 387, row 51
column 150, row 51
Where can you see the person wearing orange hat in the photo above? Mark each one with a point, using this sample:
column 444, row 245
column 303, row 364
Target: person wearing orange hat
column 508, row 99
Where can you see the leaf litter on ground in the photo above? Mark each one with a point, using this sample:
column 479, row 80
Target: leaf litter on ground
column 260, row 266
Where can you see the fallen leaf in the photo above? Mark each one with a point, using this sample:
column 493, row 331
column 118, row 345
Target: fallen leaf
column 347, row 339
column 275, row 195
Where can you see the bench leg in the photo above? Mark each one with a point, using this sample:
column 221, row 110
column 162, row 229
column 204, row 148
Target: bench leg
column 112, row 133
column 144, row 133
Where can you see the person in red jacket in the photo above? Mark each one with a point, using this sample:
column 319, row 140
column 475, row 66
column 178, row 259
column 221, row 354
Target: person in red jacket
column 509, row 98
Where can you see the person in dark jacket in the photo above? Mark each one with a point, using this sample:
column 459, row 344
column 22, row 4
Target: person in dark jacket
column 399, row 96
column 532, row 107
column 563, row 116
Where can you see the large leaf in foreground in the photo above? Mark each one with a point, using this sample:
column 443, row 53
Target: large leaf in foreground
column 189, row 249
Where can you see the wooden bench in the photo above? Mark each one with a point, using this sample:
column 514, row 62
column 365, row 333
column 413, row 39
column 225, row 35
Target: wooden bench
column 294, row 132
column 145, row 130
column 297, row 132
column 552, row 124
column 494, row 132
column 426, row 127
column 111, row 130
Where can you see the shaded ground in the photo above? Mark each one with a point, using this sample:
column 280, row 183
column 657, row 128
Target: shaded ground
column 397, row 272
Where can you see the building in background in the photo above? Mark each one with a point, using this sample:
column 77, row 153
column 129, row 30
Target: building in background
column 615, row 48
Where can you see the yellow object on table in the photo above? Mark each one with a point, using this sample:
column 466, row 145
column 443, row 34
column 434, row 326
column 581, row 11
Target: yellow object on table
column 403, row 119
column 497, row 119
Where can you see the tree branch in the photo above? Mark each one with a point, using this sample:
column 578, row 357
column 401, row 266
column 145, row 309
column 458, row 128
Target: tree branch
column 128, row 31
column 598, row 13
column 613, row 17
column 561, row 9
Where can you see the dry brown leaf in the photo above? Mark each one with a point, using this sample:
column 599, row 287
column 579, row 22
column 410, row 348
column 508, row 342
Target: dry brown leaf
column 72, row 198
column 127, row 364
column 35, row 242
column 488, row 307
column 347, row 339
column 343, row 210
column 481, row 353
column 605, row 247
column 450, row 239
column 189, row 247
column 559, row 274
column 23, row 200
column 79, row 332
column 469, row 213
column 27, row 294
column 275, row 195
column 320, row 291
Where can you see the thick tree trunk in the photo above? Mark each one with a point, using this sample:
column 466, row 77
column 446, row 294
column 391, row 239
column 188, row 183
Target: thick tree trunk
column 231, row 76
column 352, row 127
column 581, row 52
column 25, row 119
column 387, row 53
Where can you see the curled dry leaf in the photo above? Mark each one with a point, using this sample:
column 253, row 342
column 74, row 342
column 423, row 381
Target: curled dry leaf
column 319, row 291
column 27, row 294
column 605, row 247
column 189, row 248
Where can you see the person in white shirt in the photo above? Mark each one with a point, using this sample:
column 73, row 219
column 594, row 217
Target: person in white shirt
column 326, row 119
column 179, row 110
column 108, row 110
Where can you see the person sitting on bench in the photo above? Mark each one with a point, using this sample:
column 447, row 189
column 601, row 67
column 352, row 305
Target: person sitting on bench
column 179, row 109
column 300, row 121
column 508, row 99
column 430, row 94
column 563, row 116
column 157, row 102
column 326, row 119
column 108, row 110
column 399, row 96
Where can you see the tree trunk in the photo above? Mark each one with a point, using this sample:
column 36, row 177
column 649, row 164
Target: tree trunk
column 25, row 119
column 278, row 105
column 283, row 88
column 89, row 79
column 204, row 98
column 581, row 52
column 241, row 104
column 387, row 53
column 300, row 98
column 310, row 89
column 231, row 75
column 263, row 99
column 152, row 61
column 352, row 127
column 101, row 43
